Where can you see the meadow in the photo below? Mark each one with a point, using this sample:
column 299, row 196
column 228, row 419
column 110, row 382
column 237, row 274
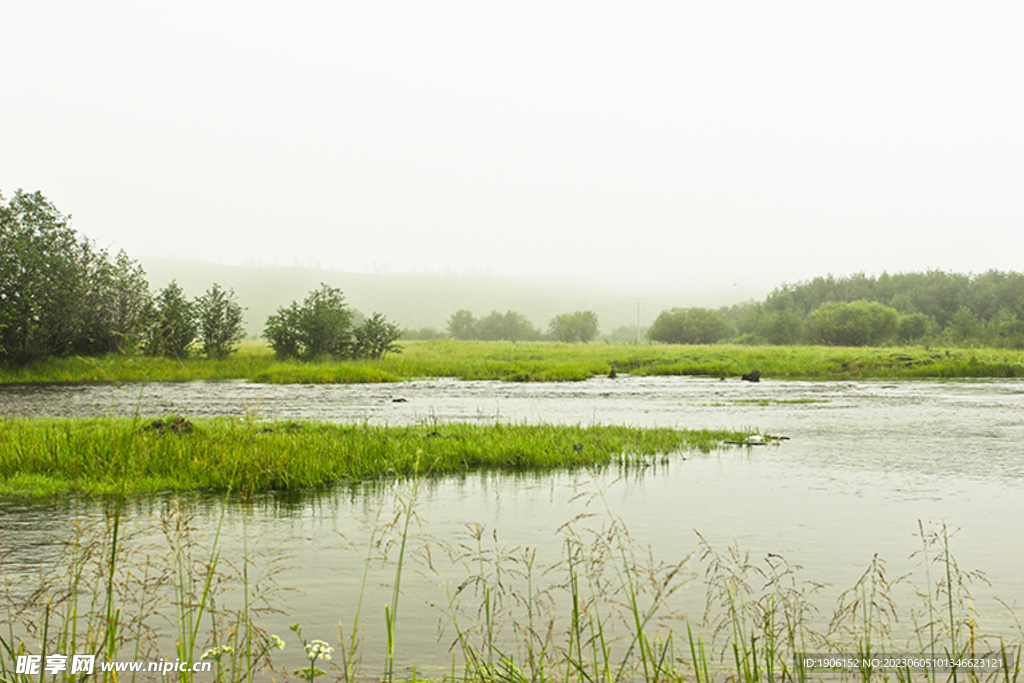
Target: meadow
column 540, row 362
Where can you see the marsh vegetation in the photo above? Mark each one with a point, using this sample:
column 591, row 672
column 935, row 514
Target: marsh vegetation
column 162, row 585
column 101, row 456
column 538, row 362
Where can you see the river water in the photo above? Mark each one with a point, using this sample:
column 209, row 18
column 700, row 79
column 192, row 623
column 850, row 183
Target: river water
column 866, row 465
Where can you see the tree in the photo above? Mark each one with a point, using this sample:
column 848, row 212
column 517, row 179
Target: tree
column 122, row 299
column 857, row 323
column 912, row 327
column 580, row 326
column 50, row 287
column 375, row 337
column 462, row 325
column 282, row 331
column 964, row 327
column 172, row 328
column 220, row 322
column 510, row 326
column 322, row 326
column 1006, row 330
column 690, row 326
column 780, row 327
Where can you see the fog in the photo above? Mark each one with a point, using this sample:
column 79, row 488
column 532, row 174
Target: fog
column 643, row 146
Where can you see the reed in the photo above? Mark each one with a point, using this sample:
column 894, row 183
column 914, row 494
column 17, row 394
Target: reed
column 604, row 612
column 112, row 590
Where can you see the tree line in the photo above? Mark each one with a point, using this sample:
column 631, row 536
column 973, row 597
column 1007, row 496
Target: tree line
column 60, row 295
column 933, row 307
column 575, row 327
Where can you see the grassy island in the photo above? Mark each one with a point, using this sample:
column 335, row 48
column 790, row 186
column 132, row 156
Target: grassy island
column 44, row 457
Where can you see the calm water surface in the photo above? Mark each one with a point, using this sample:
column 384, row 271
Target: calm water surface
column 865, row 463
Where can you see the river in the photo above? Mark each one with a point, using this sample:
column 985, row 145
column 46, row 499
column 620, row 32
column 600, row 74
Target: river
column 865, row 466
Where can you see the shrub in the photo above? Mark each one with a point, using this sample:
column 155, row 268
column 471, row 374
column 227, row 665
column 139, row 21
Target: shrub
column 913, row 327
column 172, row 323
column 462, row 325
column 857, row 323
column 510, row 326
column 780, row 327
column 690, row 326
column 375, row 337
column 322, row 326
column 580, row 326
column 220, row 322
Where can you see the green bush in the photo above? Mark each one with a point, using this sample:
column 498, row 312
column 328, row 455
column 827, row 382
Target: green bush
column 780, row 327
column 462, row 325
column 690, row 326
column 322, row 326
column 220, row 322
column 172, row 323
column 913, row 327
column 580, row 326
column 857, row 323
column 375, row 337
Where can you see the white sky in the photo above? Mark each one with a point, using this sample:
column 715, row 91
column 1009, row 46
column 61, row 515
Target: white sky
column 682, row 143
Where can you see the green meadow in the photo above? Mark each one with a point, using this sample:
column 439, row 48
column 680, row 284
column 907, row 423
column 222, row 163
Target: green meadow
column 540, row 362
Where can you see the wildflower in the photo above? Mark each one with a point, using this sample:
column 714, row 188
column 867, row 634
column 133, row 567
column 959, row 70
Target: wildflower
column 276, row 642
column 318, row 649
column 217, row 652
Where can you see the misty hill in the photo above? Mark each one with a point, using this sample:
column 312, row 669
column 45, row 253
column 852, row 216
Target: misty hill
column 428, row 300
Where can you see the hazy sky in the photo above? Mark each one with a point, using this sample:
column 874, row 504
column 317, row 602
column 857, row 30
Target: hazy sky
column 689, row 143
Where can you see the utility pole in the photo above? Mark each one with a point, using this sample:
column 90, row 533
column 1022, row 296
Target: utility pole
column 638, row 321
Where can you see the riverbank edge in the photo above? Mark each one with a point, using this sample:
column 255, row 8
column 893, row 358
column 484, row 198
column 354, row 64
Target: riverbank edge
column 538, row 362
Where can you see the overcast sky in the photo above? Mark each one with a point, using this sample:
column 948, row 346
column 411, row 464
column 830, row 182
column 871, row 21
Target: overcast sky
column 683, row 143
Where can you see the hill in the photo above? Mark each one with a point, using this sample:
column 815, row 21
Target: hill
column 429, row 299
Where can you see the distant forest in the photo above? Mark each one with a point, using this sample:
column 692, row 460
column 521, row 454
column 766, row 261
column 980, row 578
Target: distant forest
column 61, row 295
column 934, row 307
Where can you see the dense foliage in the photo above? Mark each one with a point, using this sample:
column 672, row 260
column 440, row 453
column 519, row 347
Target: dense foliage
column 61, row 296
column 858, row 323
column 375, row 337
column 172, row 323
column 580, row 326
column 690, row 326
column 322, row 328
column 59, row 293
column 510, row 326
column 219, row 318
column 934, row 307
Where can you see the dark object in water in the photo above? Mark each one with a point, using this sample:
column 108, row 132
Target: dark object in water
column 754, row 376
column 612, row 375
column 399, row 400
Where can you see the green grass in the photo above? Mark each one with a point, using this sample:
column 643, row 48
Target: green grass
column 604, row 612
column 45, row 457
column 542, row 362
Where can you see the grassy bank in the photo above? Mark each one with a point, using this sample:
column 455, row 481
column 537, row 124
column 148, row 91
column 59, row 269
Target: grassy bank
column 543, row 362
column 94, row 456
